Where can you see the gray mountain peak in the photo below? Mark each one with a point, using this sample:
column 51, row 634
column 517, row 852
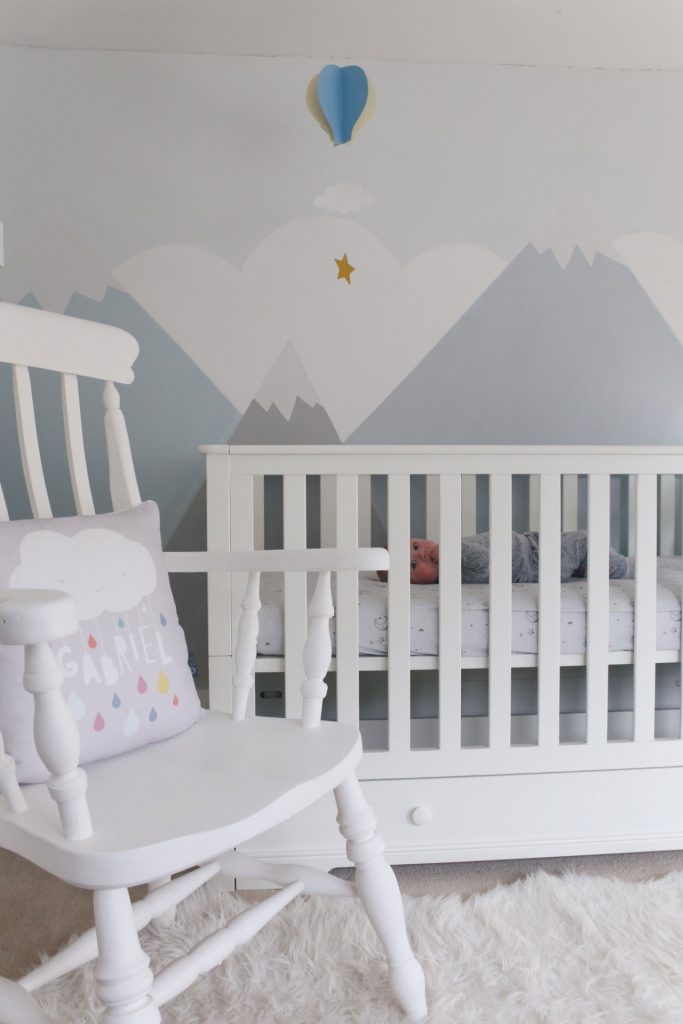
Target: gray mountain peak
column 545, row 355
column 308, row 424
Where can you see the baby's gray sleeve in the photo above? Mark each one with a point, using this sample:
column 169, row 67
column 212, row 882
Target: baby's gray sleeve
column 475, row 562
column 574, row 555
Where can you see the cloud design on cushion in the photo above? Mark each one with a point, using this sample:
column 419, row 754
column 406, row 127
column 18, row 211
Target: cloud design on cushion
column 100, row 569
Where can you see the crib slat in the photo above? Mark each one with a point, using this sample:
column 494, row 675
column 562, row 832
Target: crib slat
column 73, row 433
column 667, row 514
column 645, row 636
column 259, row 513
column 28, row 444
column 598, row 607
column 535, row 503
column 632, row 515
column 328, row 513
column 365, row 510
column 549, row 610
column 399, row 610
column 218, row 514
column 469, row 505
column 347, row 603
column 241, row 539
column 450, row 615
column 500, row 609
column 570, row 502
column 4, row 514
column 432, row 519
column 296, row 598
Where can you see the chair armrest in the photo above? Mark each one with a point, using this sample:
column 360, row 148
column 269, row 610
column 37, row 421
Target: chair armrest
column 36, row 616
column 291, row 560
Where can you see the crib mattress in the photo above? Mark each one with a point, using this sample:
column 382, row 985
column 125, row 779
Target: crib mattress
column 424, row 615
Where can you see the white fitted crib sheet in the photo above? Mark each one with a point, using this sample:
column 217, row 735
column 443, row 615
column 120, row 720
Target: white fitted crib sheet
column 424, row 615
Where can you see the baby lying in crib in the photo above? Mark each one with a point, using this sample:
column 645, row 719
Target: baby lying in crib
column 424, row 559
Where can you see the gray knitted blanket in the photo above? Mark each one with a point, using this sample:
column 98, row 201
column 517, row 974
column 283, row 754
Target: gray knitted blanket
column 573, row 558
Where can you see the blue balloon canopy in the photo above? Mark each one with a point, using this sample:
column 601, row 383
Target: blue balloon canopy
column 342, row 95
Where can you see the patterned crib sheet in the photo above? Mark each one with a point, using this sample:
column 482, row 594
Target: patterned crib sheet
column 424, row 615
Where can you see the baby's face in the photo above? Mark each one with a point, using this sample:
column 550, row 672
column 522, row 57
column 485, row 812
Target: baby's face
column 424, row 561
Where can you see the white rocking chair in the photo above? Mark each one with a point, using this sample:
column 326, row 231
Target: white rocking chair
column 283, row 766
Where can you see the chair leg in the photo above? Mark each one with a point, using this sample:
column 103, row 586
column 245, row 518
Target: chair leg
column 123, row 979
column 379, row 892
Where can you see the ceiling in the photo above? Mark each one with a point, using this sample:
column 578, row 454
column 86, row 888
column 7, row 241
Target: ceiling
column 575, row 33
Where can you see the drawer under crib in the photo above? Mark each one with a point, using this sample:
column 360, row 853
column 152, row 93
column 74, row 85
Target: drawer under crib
column 496, row 817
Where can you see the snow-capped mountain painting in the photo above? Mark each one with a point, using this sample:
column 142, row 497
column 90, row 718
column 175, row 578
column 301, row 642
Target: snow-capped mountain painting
column 574, row 355
column 285, row 409
column 52, row 263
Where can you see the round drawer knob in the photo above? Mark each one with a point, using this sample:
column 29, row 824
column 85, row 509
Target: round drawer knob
column 421, row 815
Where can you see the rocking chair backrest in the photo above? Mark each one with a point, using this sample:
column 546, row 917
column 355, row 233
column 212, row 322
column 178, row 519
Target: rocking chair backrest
column 34, row 338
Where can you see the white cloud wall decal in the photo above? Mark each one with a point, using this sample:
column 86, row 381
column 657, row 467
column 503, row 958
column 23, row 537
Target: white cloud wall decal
column 344, row 197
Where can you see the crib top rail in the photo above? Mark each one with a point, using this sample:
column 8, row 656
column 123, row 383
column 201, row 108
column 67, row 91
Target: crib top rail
column 441, row 459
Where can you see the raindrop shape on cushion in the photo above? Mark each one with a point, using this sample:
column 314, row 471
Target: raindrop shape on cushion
column 98, row 724
column 131, row 725
column 153, row 715
column 163, row 685
column 142, row 685
column 116, row 701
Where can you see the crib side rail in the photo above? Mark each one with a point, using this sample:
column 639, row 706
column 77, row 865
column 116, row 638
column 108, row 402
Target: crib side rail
column 463, row 487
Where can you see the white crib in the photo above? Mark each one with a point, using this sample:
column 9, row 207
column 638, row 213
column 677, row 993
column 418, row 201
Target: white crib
column 602, row 772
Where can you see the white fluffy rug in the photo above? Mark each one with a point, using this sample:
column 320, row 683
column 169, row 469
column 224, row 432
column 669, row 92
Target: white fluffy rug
column 546, row 950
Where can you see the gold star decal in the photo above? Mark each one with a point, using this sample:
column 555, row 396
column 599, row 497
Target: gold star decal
column 344, row 269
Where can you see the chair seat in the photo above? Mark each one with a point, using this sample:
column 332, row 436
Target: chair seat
column 196, row 795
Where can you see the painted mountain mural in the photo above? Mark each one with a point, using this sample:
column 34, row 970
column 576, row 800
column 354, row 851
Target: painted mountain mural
column 545, row 356
column 285, row 409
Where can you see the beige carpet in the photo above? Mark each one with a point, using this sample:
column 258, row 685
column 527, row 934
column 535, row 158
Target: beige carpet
column 37, row 913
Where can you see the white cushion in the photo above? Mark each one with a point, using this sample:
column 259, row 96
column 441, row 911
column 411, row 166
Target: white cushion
column 127, row 681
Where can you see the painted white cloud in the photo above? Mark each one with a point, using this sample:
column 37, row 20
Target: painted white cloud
column 657, row 263
column 344, row 197
column 357, row 341
column 102, row 570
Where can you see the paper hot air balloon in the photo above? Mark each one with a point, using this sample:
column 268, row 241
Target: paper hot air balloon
column 341, row 101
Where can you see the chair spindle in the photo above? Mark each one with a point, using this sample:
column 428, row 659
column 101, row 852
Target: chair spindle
column 9, row 787
column 122, row 480
column 245, row 649
column 57, row 740
column 317, row 651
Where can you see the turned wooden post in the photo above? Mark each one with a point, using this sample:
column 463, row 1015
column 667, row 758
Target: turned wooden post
column 123, row 484
column 245, row 649
column 317, row 651
column 123, row 979
column 380, row 895
column 57, row 740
